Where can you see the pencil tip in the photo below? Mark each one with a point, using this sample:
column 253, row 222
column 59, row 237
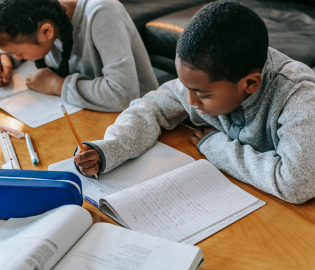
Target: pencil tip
column 62, row 108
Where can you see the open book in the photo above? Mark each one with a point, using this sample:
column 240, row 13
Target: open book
column 30, row 107
column 166, row 193
column 64, row 239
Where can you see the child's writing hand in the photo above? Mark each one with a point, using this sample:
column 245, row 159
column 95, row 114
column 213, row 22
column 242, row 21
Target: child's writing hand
column 88, row 162
column 45, row 81
column 7, row 67
column 199, row 134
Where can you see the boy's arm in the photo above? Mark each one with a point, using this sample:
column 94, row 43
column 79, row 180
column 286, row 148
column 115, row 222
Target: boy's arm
column 287, row 172
column 138, row 127
column 115, row 37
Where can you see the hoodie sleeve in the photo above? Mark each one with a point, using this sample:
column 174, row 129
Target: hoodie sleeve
column 286, row 172
column 138, row 127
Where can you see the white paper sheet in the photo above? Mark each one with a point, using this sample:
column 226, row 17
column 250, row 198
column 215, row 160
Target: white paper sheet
column 30, row 107
column 158, row 160
column 18, row 79
column 35, row 109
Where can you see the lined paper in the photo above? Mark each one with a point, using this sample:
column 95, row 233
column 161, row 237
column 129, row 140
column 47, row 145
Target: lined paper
column 156, row 161
column 182, row 203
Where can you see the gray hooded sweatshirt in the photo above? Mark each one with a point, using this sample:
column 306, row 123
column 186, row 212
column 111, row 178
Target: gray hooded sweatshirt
column 109, row 65
column 268, row 141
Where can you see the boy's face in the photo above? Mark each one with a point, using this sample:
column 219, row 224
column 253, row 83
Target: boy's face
column 214, row 98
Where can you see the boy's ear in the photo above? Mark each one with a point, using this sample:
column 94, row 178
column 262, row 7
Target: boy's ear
column 46, row 33
column 251, row 82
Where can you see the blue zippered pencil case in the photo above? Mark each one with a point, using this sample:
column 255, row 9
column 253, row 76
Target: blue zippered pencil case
column 28, row 193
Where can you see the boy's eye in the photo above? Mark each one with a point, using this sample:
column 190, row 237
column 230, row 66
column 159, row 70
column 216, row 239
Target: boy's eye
column 201, row 97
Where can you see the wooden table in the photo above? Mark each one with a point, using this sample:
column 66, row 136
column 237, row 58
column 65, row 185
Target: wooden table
column 279, row 235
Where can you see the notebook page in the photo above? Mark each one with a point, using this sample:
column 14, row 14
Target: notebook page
column 156, row 161
column 18, row 79
column 2, row 221
column 181, row 203
column 35, row 109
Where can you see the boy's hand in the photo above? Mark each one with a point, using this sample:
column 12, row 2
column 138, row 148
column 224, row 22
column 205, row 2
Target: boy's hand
column 45, row 81
column 199, row 134
column 88, row 162
column 7, row 67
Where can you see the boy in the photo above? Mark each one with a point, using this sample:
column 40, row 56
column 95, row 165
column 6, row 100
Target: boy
column 257, row 103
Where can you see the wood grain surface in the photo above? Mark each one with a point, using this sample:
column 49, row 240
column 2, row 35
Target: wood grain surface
column 279, row 235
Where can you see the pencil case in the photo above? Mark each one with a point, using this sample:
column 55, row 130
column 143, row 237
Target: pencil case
column 28, row 193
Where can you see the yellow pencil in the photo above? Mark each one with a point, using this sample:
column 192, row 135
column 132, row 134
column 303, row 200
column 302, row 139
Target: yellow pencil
column 73, row 130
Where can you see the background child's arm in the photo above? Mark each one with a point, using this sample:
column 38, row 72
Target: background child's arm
column 119, row 46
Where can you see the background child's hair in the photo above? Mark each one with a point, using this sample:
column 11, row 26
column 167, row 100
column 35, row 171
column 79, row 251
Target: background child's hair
column 20, row 20
column 226, row 40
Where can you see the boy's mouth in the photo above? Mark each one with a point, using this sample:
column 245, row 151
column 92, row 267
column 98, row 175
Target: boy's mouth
column 200, row 111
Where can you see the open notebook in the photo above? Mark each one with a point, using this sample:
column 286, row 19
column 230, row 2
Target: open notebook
column 168, row 194
column 64, row 239
column 30, row 107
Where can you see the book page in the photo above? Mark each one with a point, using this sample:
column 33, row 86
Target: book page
column 157, row 160
column 34, row 108
column 106, row 246
column 18, row 80
column 183, row 203
column 2, row 221
column 39, row 242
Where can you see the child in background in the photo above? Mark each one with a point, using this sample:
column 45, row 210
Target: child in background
column 99, row 59
column 254, row 106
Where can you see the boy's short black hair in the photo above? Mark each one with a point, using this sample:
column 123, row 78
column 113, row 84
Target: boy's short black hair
column 226, row 40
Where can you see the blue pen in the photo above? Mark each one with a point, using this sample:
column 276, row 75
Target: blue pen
column 30, row 148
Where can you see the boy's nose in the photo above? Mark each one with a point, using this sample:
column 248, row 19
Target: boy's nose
column 18, row 57
column 192, row 98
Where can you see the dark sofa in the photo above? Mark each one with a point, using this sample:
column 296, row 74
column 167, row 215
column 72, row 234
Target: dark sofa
column 291, row 26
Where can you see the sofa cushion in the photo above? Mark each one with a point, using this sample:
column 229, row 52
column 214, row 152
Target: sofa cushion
column 143, row 11
column 291, row 27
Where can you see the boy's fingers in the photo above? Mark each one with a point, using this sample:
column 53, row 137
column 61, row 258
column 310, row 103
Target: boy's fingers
column 86, row 147
column 91, row 171
column 195, row 140
column 86, row 156
column 86, row 164
column 209, row 130
column 198, row 133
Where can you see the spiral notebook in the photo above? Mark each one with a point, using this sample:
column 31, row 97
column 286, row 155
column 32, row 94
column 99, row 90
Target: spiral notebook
column 167, row 194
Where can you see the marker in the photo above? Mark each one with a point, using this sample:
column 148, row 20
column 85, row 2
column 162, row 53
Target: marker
column 12, row 132
column 30, row 148
column 73, row 130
